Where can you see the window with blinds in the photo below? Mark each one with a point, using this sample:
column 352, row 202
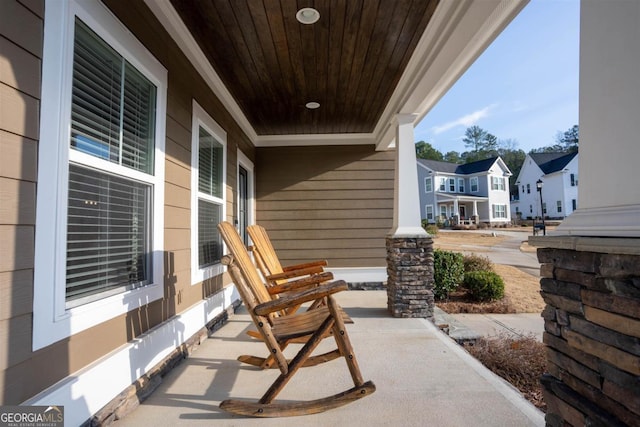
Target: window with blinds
column 107, row 233
column 210, row 187
column 112, row 109
column 109, row 215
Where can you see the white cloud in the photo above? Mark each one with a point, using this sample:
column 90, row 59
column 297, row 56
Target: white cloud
column 466, row 121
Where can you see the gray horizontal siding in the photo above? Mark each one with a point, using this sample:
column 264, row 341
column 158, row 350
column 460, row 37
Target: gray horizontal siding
column 333, row 203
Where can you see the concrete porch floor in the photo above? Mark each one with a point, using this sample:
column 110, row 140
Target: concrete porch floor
column 422, row 377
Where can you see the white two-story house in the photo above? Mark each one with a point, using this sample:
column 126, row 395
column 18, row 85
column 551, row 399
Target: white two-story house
column 472, row 193
column 558, row 174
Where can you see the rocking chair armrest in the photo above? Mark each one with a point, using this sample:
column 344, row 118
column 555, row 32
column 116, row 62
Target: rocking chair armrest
column 295, row 273
column 296, row 285
column 298, row 298
column 320, row 263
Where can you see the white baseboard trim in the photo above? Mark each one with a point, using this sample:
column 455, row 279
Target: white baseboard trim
column 360, row 274
column 85, row 392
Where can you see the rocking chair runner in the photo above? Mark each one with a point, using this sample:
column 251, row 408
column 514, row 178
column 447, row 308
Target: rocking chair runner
column 277, row 330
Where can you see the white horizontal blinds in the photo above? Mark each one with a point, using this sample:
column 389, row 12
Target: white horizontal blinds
column 138, row 121
column 209, row 243
column 107, row 243
column 109, row 215
column 209, row 164
column 95, row 102
column 210, row 189
column 113, row 105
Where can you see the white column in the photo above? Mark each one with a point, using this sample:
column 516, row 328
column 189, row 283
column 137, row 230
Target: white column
column 608, row 194
column 406, row 200
column 475, row 208
column 456, row 210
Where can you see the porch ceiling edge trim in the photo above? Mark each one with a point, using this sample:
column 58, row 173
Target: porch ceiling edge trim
column 430, row 73
column 314, row 139
column 171, row 21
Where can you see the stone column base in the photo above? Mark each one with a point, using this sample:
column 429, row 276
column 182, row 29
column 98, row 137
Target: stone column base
column 592, row 330
column 410, row 271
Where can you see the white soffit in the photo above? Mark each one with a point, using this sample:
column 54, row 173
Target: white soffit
column 457, row 35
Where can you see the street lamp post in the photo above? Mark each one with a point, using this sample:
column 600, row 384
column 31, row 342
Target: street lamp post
column 539, row 184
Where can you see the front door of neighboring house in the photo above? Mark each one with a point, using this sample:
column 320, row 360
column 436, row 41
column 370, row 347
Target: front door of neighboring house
column 243, row 203
column 462, row 212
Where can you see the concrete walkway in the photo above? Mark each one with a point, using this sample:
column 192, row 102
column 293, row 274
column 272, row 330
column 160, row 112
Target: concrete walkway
column 513, row 325
column 422, row 377
column 507, row 252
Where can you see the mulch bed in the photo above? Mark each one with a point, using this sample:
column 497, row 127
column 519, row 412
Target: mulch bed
column 520, row 361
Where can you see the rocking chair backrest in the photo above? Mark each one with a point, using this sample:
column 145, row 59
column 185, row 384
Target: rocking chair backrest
column 241, row 257
column 269, row 259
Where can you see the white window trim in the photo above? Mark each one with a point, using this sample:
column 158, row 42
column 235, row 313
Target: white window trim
column 201, row 118
column 461, row 185
column 442, row 184
column 449, row 180
column 426, row 212
column 247, row 164
column 471, row 181
column 52, row 321
column 503, row 210
column 426, row 187
column 445, row 210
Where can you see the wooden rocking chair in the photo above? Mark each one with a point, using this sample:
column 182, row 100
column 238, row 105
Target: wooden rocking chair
column 273, row 271
column 277, row 330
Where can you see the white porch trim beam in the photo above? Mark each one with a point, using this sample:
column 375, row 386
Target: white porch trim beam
column 406, row 203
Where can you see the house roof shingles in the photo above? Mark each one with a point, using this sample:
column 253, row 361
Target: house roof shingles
column 552, row 162
column 466, row 169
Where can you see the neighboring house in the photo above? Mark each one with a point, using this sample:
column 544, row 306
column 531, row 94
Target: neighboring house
column 559, row 175
column 128, row 129
column 471, row 193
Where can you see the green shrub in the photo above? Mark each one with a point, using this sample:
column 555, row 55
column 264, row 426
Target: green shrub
column 448, row 272
column 475, row 262
column 432, row 229
column 484, row 285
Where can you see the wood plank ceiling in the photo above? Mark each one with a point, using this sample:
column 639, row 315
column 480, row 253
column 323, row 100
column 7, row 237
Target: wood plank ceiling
column 350, row 61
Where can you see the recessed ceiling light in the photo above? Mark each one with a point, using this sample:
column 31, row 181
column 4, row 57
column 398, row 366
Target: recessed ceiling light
column 308, row 15
column 312, row 105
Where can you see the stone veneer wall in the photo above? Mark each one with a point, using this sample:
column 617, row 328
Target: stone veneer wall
column 592, row 333
column 410, row 271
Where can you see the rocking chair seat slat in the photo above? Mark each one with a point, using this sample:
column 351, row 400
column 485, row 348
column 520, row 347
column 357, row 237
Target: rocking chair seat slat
column 298, row 325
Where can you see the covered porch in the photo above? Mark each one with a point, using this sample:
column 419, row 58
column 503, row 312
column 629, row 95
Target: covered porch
column 422, row 376
column 461, row 209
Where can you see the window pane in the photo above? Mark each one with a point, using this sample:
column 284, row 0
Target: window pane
column 138, row 121
column 209, row 242
column 112, row 106
column 209, row 165
column 107, row 233
column 95, row 99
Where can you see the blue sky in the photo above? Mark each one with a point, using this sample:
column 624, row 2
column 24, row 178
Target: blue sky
column 524, row 87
